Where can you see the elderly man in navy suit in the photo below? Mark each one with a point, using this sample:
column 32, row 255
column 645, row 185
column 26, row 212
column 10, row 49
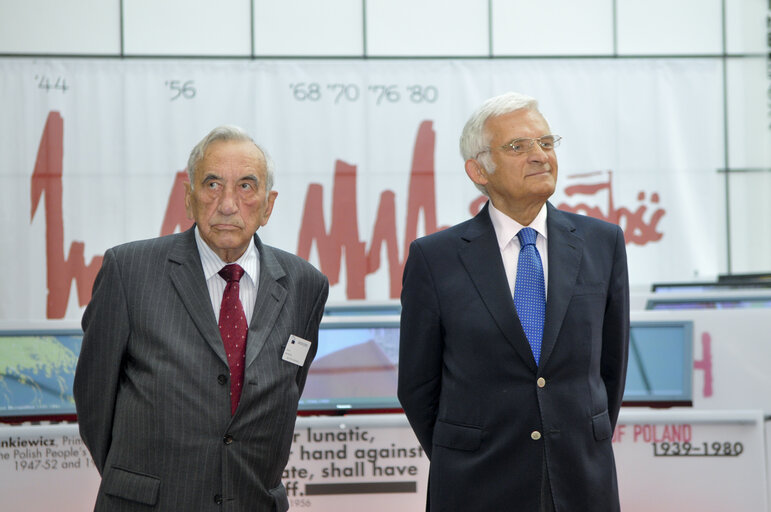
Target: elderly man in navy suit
column 514, row 334
column 196, row 349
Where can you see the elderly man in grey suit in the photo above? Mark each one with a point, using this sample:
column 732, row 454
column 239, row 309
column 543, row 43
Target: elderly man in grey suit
column 196, row 348
column 514, row 334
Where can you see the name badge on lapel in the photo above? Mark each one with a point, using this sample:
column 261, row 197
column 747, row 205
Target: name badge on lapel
column 296, row 350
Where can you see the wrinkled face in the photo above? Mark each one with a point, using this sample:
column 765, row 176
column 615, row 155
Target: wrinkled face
column 228, row 200
column 519, row 178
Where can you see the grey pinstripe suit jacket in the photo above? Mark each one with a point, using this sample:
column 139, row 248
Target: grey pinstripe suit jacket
column 151, row 385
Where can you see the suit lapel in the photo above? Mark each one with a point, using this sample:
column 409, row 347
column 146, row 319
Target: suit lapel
column 271, row 296
column 565, row 252
column 481, row 257
column 187, row 277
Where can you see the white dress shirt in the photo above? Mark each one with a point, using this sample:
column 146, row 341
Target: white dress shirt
column 506, row 230
column 212, row 264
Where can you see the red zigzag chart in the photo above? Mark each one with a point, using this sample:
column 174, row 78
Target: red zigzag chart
column 342, row 237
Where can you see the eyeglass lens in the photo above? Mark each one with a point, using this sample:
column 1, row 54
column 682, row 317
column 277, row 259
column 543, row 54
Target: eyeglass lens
column 525, row 145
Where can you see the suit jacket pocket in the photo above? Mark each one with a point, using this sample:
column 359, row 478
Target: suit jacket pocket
column 601, row 426
column 131, row 485
column 280, row 500
column 457, row 437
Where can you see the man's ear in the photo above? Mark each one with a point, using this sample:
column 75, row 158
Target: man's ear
column 270, row 199
column 476, row 172
column 188, row 201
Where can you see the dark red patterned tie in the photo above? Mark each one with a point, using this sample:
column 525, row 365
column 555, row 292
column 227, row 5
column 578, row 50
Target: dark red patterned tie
column 233, row 329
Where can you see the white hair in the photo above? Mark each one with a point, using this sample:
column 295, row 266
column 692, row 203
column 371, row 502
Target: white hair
column 475, row 140
column 227, row 133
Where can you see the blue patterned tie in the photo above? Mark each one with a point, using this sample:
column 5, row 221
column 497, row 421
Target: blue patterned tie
column 529, row 290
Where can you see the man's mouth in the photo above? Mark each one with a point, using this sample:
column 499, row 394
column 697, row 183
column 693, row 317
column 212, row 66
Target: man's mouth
column 538, row 172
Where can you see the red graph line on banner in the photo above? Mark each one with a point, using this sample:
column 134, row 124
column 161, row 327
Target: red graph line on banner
column 636, row 229
column 60, row 270
column 705, row 363
column 343, row 235
column 175, row 218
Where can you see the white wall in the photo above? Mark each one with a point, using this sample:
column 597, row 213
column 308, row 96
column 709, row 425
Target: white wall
column 378, row 28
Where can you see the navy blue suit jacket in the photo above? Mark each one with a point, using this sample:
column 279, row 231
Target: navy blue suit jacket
column 484, row 412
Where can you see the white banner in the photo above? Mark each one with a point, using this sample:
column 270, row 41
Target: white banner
column 668, row 461
column 340, row 464
column 367, row 159
column 46, row 467
column 685, row 460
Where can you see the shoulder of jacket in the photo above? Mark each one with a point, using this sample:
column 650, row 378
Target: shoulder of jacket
column 291, row 262
column 162, row 244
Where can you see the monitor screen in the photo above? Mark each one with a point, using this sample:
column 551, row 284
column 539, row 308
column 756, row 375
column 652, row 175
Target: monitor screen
column 37, row 368
column 356, row 365
column 660, row 363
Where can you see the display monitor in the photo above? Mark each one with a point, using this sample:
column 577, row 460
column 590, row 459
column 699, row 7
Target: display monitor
column 705, row 287
column 355, row 369
column 37, row 368
column 356, row 366
column 758, row 279
column 724, row 283
column 660, row 365
column 709, row 301
column 369, row 308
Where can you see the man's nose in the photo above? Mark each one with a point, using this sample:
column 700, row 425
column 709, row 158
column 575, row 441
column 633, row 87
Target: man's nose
column 228, row 204
column 537, row 154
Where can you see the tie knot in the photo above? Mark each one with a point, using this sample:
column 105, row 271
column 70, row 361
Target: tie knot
column 231, row 272
column 527, row 236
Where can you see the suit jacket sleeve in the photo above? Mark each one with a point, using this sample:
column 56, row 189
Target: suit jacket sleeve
column 313, row 327
column 615, row 334
column 105, row 335
column 420, row 347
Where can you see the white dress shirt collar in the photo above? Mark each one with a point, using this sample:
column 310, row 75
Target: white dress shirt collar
column 507, row 228
column 212, row 263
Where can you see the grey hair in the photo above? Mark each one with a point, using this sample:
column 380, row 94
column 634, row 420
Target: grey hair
column 475, row 140
column 227, row 133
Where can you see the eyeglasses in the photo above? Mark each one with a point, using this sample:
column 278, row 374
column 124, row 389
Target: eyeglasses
column 525, row 145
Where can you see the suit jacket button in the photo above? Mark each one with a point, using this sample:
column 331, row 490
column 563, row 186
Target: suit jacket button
column 541, row 382
column 218, row 499
column 535, row 435
column 228, row 439
column 222, row 379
